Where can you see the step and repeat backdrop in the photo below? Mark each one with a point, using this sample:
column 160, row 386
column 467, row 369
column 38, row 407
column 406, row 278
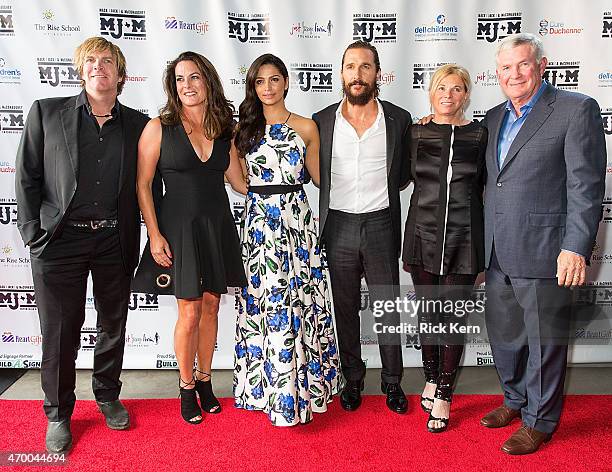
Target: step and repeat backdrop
column 413, row 37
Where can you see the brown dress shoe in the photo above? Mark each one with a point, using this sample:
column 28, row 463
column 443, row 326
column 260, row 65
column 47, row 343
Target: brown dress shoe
column 500, row 417
column 525, row 440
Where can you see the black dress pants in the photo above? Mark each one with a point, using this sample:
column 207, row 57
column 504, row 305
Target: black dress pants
column 60, row 283
column 363, row 244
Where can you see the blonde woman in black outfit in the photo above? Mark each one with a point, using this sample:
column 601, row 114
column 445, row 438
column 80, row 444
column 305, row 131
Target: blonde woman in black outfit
column 443, row 243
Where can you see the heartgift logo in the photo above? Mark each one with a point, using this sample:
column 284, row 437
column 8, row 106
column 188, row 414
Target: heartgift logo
column 199, row 27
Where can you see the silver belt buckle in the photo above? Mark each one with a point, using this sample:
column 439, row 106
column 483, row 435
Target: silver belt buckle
column 94, row 225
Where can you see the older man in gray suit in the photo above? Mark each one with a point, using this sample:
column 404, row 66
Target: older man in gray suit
column 546, row 160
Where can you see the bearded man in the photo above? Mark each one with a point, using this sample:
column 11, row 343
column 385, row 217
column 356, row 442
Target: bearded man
column 364, row 162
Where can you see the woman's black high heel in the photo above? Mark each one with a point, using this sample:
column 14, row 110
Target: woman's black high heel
column 444, row 421
column 423, row 407
column 209, row 402
column 190, row 410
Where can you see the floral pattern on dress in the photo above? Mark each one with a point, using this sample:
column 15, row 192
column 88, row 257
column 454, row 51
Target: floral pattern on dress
column 286, row 356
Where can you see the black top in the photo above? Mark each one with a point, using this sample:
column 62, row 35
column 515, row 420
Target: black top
column 196, row 220
column 99, row 165
column 444, row 230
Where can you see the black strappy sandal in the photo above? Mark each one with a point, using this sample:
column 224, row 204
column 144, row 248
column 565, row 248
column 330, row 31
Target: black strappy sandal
column 444, row 421
column 441, row 429
column 209, row 402
column 426, row 399
column 190, row 410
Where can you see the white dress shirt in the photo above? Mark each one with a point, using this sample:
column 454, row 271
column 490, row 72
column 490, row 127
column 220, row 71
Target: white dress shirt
column 359, row 166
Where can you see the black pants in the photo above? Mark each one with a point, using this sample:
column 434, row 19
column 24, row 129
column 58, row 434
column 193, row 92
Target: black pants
column 60, row 283
column 363, row 244
column 441, row 353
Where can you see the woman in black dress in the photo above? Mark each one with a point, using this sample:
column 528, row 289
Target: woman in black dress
column 192, row 237
column 443, row 243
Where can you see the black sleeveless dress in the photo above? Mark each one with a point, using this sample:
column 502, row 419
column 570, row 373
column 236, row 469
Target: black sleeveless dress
column 195, row 218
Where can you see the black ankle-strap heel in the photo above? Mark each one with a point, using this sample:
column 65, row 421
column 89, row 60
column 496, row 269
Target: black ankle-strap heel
column 209, row 402
column 190, row 410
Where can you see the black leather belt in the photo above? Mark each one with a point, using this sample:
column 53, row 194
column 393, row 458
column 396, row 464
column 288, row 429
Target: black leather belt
column 93, row 224
column 275, row 189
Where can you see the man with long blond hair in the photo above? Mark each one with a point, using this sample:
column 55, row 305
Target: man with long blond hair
column 77, row 211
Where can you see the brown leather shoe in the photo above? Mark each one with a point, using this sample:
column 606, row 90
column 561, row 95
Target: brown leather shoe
column 525, row 440
column 500, row 417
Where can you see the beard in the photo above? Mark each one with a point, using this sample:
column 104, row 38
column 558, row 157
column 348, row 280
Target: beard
column 367, row 94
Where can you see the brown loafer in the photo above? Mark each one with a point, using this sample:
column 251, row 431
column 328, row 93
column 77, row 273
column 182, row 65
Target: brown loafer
column 525, row 440
column 500, row 417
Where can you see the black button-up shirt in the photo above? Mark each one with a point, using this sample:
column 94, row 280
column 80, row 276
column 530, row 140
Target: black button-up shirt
column 99, row 165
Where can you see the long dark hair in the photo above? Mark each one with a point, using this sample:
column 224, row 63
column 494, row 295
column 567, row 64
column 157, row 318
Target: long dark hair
column 218, row 116
column 252, row 124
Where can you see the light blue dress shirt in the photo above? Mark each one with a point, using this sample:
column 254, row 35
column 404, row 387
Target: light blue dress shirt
column 512, row 124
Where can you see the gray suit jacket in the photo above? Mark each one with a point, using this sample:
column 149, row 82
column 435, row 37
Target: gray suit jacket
column 548, row 194
column 397, row 123
column 46, row 176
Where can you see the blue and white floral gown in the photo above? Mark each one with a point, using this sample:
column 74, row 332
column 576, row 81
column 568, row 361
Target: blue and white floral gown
column 286, row 357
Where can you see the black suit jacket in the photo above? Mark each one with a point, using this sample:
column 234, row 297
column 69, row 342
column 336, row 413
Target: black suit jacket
column 47, row 167
column 397, row 123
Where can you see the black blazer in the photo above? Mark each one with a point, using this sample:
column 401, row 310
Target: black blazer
column 444, row 230
column 47, row 167
column 397, row 123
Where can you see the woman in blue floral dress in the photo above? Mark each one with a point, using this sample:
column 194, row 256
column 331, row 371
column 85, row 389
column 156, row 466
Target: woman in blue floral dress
column 286, row 360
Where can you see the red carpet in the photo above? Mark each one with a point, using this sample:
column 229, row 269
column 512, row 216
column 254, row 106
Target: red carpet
column 371, row 439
